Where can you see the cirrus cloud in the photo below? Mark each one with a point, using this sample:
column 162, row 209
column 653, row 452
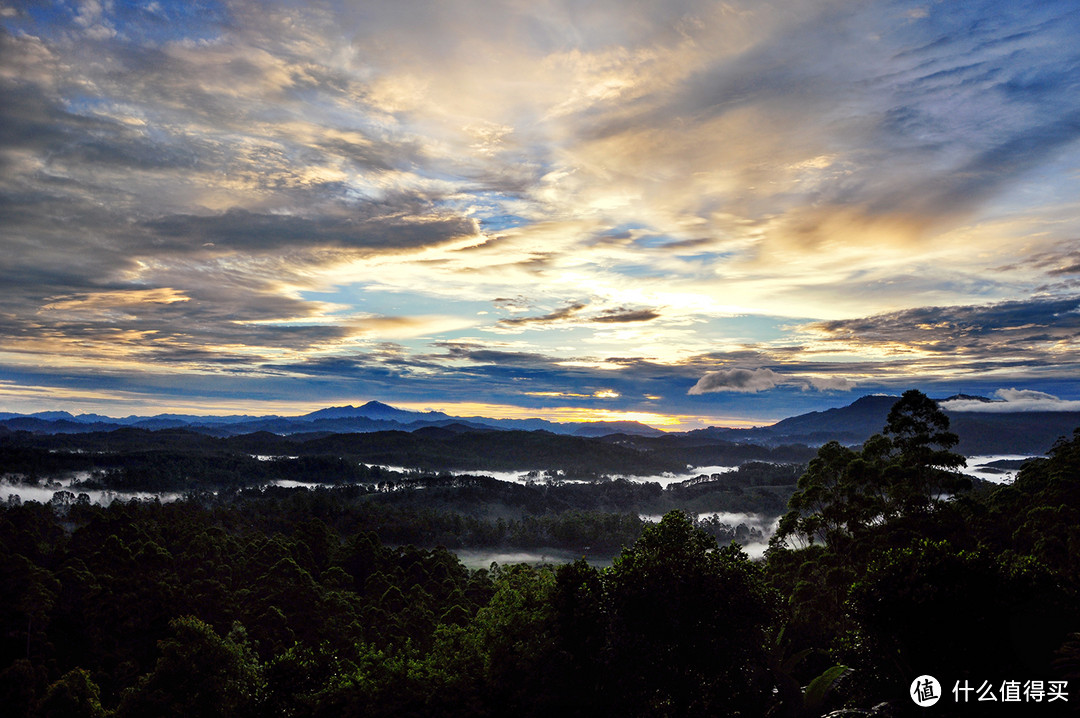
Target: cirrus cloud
column 643, row 196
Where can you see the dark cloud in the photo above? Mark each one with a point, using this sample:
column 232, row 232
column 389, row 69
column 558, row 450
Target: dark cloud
column 618, row 316
column 510, row 363
column 28, row 119
column 33, row 119
column 241, row 230
column 512, row 303
column 1060, row 262
column 558, row 315
column 198, row 356
column 1036, row 326
column 1067, row 269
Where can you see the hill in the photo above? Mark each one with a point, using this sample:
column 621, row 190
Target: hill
column 980, row 432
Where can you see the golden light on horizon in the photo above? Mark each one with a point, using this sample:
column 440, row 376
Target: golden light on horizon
column 589, row 209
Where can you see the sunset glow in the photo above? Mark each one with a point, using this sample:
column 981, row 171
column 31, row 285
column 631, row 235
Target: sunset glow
column 682, row 213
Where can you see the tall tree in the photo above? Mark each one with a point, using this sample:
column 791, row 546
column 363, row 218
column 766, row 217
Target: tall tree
column 199, row 673
column 921, row 463
column 688, row 622
column 899, row 472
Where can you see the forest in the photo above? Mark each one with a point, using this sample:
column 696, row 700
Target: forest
column 349, row 600
column 171, row 459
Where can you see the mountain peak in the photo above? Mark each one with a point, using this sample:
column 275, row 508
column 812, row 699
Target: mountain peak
column 378, row 410
column 873, row 400
column 967, row 397
column 372, row 410
column 334, row 412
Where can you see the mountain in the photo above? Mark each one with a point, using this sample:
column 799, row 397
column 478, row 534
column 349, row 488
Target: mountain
column 1027, row 433
column 606, row 428
column 968, row 397
column 370, row 417
column 375, row 410
column 854, row 423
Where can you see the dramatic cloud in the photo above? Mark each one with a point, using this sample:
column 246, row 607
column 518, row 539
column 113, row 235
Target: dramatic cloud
column 1043, row 331
column 528, row 204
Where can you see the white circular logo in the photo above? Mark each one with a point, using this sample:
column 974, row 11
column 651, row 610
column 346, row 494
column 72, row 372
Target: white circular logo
column 925, row 691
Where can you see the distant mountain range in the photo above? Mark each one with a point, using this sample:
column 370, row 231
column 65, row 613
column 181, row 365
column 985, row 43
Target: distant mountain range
column 1029, row 433
column 372, row 416
column 1026, row 433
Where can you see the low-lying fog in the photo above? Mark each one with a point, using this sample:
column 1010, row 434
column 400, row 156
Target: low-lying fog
column 542, row 476
column 48, row 488
column 984, row 467
column 1000, row 469
column 978, row 466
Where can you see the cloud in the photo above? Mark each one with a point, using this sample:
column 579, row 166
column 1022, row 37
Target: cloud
column 830, row 383
column 1034, row 327
column 559, row 315
column 621, row 315
column 752, row 381
column 1013, row 400
column 193, row 184
column 737, row 380
column 617, row 315
column 1063, row 261
column 924, row 93
column 402, row 228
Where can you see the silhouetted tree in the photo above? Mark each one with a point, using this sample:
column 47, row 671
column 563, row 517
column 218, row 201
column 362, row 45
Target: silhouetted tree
column 688, row 622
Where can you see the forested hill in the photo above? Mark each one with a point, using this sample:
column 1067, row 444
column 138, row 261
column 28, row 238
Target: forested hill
column 372, row 416
column 307, row 604
column 980, row 432
column 172, row 459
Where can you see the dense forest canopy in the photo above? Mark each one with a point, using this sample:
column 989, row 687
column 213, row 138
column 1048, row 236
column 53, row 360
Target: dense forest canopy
column 344, row 602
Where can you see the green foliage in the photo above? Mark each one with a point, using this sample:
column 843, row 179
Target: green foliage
column 688, row 625
column 921, row 462
column 899, row 473
column 332, row 603
column 73, row 695
column 827, row 503
column 929, row 608
column 199, row 673
column 818, row 690
column 896, row 578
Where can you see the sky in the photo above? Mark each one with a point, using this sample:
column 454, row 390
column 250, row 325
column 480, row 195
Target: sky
column 685, row 213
